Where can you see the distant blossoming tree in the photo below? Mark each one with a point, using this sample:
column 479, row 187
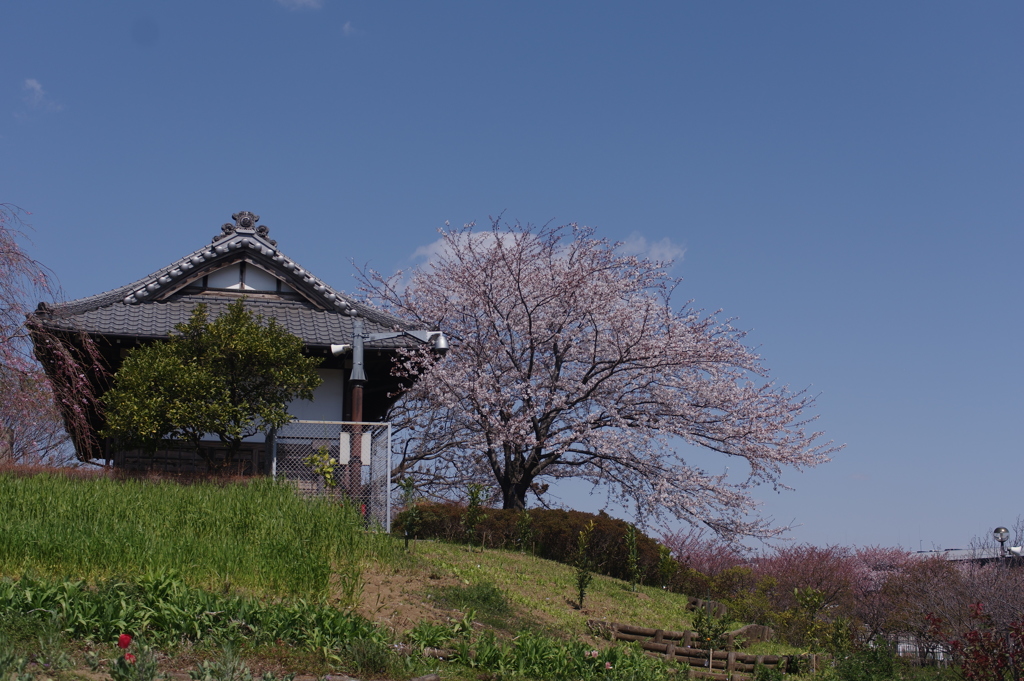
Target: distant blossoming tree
column 569, row 360
column 30, row 426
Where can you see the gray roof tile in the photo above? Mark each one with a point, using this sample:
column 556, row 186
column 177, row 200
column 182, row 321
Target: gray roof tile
column 150, row 307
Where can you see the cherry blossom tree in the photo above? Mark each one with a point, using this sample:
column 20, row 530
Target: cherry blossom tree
column 709, row 555
column 30, row 425
column 875, row 578
column 570, row 359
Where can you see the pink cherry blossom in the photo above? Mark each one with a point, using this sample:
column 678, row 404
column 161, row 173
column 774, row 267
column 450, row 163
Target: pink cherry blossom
column 30, row 425
column 570, row 359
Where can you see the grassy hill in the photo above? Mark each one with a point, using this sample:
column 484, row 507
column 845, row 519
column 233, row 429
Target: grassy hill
column 286, row 583
column 437, row 579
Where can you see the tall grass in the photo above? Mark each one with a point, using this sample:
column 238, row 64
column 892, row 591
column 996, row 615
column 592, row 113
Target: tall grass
column 259, row 536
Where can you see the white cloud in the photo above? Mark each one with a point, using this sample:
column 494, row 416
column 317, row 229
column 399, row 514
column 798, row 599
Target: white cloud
column 36, row 97
column 34, row 92
column 301, row 4
column 348, row 29
column 431, row 251
column 436, row 249
column 663, row 250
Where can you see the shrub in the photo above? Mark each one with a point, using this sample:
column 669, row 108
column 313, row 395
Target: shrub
column 877, row 663
column 710, row 629
column 582, row 562
column 632, row 557
column 474, row 513
column 553, row 533
column 483, row 597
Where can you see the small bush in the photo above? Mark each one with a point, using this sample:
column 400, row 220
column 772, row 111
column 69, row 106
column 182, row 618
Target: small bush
column 765, row 673
column 474, row 513
column 552, row 533
column 429, row 635
column 483, row 597
column 632, row 557
column 524, row 531
column 230, row 667
column 876, row 663
column 10, row 661
column 582, row 562
column 367, row 656
column 710, row 630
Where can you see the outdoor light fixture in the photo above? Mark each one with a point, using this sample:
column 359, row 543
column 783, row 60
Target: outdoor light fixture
column 357, row 377
column 437, row 339
column 1001, row 534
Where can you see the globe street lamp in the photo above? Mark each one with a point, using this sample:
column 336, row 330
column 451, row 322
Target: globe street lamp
column 1001, row 534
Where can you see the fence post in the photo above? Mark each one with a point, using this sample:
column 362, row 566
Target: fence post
column 387, row 483
column 273, row 453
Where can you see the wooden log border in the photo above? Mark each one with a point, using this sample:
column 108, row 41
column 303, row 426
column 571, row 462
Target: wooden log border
column 676, row 646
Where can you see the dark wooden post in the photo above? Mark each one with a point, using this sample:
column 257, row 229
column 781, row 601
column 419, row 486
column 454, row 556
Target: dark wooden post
column 353, row 474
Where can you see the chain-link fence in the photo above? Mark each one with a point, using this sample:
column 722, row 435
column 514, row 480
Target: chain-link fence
column 339, row 459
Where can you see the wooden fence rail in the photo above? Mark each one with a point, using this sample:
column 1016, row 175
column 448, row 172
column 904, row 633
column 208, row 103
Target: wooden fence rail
column 711, row 607
column 752, row 633
column 710, row 664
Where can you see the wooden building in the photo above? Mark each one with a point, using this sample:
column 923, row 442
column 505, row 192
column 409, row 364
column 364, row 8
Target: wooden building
column 241, row 261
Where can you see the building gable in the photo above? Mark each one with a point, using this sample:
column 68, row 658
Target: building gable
column 241, row 259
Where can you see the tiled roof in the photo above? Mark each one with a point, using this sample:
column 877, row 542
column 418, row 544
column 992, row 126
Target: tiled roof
column 153, row 305
column 157, row 319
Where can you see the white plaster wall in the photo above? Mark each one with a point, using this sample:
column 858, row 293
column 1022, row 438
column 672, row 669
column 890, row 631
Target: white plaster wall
column 328, row 399
column 225, row 277
column 258, row 280
column 327, row 403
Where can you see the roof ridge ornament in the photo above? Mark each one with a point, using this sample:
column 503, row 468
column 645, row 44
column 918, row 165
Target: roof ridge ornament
column 244, row 221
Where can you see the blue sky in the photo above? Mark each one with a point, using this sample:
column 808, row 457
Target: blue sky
column 844, row 179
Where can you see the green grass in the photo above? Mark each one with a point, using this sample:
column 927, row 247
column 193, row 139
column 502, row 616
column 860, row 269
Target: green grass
column 260, row 537
column 191, row 567
column 546, row 591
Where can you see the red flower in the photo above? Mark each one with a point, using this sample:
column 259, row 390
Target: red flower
column 129, row 658
column 124, row 640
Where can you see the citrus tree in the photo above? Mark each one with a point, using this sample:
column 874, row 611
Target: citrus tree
column 232, row 377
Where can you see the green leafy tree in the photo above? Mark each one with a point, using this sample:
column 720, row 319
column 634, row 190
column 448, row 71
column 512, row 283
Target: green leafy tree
column 582, row 561
column 632, row 557
column 524, row 531
column 232, row 377
column 667, row 565
column 474, row 512
column 410, row 502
